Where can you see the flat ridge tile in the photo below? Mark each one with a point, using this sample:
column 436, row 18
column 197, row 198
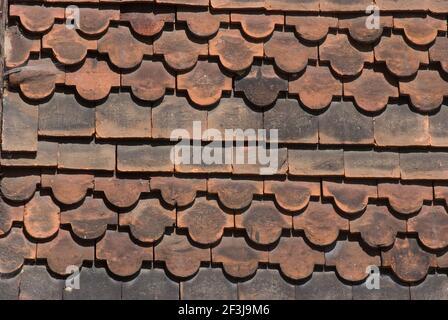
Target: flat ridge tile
column 144, row 158
column 316, row 162
column 292, row 5
column 208, row 284
column 46, row 156
column 151, row 285
column 86, row 156
column 424, row 165
column 371, row 164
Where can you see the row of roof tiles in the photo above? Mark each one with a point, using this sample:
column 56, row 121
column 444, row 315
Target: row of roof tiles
column 206, row 83
column 297, row 259
column 120, row 117
column 436, row 6
column 155, row 158
column 420, row 31
column 210, row 283
column 206, row 219
column 349, row 196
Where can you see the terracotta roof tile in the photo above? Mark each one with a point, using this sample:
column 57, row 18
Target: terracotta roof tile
column 371, row 164
column 235, row 4
column 144, row 158
column 176, row 191
column 424, row 166
column 46, row 156
column 68, row 188
column 263, row 222
column 148, row 220
column 438, row 53
column 202, row 23
column 321, row 223
column 37, row 284
column 235, row 53
column 18, row 47
column 235, row 194
column 147, row 23
column 41, row 217
column 266, row 285
column 421, row 31
column 405, row 198
column 150, row 285
column 316, row 162
column 67, row 45
column 292, row 5
column 86, row 156
column 19, row 186
column 121, row 193
column 324, row 286
column 95, row 21
column 257, row 26
column 10, row 214
column 179, row 51
column 390, row 289
column 205, row 221
column 344, row 5
column 36, row 18
column 433, row 288
column 282, row 46
column 148, row 88
column 378, row 227
column 123, row 257
column 292, row 195
column 431, row 224
column 311, row 28
column 90, row 220
column 358, row 30
column 14, row 249
column 208, row 284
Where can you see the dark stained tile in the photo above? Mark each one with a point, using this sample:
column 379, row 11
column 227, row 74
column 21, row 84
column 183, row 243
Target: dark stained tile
column 120, row 117
column 37, row 79
column 261, row 85
column 205, row 83
column 18, row 47
column 316, row 87
column 123, row 49
column 371, row 164
column 181, row 258
column 234, row 52
column 151, row 285
column 316, row 162
column 86, row 156
column 344, row 58
column 408, row 261
column 175, row 114
column 343, row 124
column 398, row 125
column 144, row 158
column 405, row 198
column 293, row 123
column 420, row 31
column 19, row 125
column 186, row 162
column 63, row 252
column 94, row 284
column 36, row 18
column 238, row 259
column 310, row 28
column 67, row 45
column 276, row 164
column 296, row 259
column 177, row 191
column 235, row 194
column 205, row 221
column 427, row 91
column 19, row 186
column 9, row 288
column 389, row 290
column 123, row 256
column 431, row 225
column 147, row 23
column 234, row 114
column 148, row 220
column 68, row 188
column 292, row 195
column 351, row 260
column 358, row 27
column 64, row 116
column 202, row 23
column 15, row 248
column 424, row 166
column 266, row 285
column 323, row 286
column 401, row 59
column 377, row 226
column 121, row 193
column 349, row 196
column 86, row 78
column 41, row 218
column 321, row 223
column 90, row 220
column 381, row 89
column 263, row 222
column 257, row 25
column 437, row 128
column 284, row 45
column 37, row 284
column 435, row 287
column 149, row 88
column 439, row 53
column 208, row 284
column 179, row 52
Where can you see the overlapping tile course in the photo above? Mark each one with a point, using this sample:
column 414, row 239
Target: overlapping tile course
column 87, row 178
